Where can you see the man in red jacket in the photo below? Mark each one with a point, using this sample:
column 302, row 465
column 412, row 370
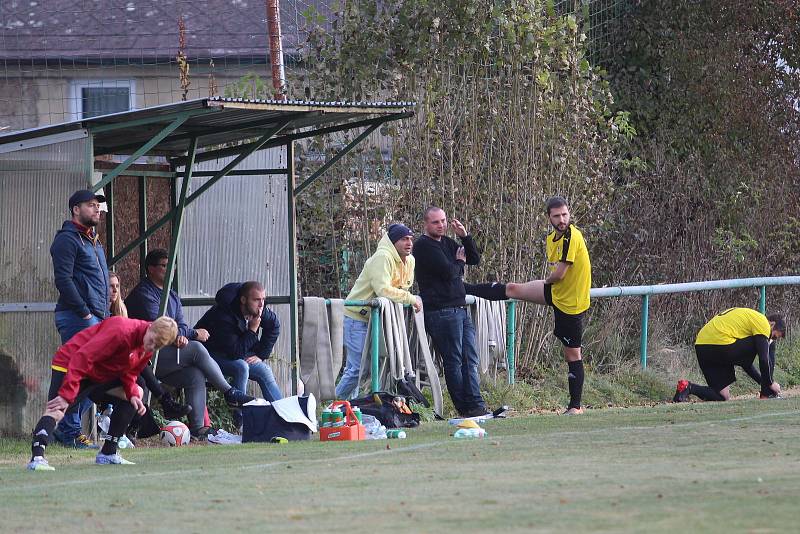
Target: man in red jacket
column 102, row 363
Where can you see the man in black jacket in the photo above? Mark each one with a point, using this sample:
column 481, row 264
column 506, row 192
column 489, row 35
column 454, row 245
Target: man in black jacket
column 241, row 335
column 439, row 272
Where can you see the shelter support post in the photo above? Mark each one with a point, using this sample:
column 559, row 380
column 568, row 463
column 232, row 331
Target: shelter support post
column 374, row 347
column 339, row 155
column 142, row 150
column 142, row 193
column 291, row 215
column 643, row 339
column 511, row 338
column 762, row 299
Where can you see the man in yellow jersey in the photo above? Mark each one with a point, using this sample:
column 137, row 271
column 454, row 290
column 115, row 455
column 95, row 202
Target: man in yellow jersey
column 734, row 337
column 566, row 289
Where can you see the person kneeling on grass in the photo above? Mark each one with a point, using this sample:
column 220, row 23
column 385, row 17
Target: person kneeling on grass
column 734, row 337
column 101, row 363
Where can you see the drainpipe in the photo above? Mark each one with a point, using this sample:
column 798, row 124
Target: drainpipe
column 276, row 49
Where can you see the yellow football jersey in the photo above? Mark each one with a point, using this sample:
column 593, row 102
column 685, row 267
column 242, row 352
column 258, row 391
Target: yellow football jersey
column 731, row 325
column 570, row 294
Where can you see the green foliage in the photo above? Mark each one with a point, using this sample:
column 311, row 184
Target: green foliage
column 250, row 86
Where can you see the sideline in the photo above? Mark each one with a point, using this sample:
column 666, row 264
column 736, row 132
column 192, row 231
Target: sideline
column 43, row 483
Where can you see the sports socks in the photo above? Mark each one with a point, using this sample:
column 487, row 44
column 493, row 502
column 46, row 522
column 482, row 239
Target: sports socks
column 705, row 392
column 575, row 380
column 120, row 419
column 41, row 435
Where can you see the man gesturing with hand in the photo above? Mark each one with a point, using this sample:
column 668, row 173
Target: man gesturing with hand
column 439, row 270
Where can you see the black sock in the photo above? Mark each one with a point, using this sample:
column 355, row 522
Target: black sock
column 120, row 419
column 41, row 435
column 705, row 392
column 575, row 380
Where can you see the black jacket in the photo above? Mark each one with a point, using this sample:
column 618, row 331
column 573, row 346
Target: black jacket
column 80, row 273
column 229, row 336
column 438, row 273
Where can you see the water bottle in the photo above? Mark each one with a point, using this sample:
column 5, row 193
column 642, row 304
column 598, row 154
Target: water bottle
column 336, row 417
column 469, row 433
column 396, row 433
column 104, row 421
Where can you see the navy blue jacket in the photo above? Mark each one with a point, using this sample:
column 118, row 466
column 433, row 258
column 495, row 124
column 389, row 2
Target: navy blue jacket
column 229, row 335
column 80, row 272
column 143, row 303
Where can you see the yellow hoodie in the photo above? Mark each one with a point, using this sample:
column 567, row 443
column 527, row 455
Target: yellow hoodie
column 384, row 275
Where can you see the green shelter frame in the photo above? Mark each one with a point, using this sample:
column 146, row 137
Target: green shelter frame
column 186, row 133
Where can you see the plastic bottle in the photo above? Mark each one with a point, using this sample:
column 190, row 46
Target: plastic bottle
column 326, row 417
column 396, row 433
column 336, row 417
column 357, row 414
column 104, row 421
column 468, row 433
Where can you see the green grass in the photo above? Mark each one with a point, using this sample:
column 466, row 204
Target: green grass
column 701, row 467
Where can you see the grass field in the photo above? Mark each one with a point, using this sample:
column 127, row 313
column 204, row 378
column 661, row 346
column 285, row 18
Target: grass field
column 712, row 467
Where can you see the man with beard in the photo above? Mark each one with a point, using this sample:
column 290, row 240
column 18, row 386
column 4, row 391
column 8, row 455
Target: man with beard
column 241, row 335
column 566, row 289
column 81, row 277
column 439, row 270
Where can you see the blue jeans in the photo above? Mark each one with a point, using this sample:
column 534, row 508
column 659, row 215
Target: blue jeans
column 260, row 373
column 355, row 335
column 68, row 324
column 453, row 336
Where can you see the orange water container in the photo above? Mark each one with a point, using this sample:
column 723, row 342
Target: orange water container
column 350, row 430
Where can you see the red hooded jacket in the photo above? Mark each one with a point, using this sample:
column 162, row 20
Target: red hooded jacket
column 109, row 350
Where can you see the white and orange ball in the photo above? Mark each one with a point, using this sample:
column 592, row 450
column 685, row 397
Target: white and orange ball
column 175, row 434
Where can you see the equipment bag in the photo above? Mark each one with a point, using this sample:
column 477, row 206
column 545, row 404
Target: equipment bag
column 390, row 410
column 293, row 418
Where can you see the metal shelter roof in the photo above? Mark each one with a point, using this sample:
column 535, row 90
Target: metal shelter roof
column 218, row 121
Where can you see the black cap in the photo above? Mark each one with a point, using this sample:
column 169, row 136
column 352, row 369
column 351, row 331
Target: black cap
column 84, row 195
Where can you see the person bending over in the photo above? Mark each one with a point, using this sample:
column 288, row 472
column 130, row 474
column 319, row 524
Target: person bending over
column 733, row 338
column 101, row 363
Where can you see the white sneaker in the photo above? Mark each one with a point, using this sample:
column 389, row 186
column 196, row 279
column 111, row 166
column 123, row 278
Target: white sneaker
column 111, row 459
column 39, row 463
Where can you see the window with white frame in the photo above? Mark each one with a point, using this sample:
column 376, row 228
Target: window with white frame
column 90, row 98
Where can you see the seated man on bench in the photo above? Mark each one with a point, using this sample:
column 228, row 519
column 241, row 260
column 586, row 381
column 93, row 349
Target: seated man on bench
column 241, row 335
column 186, row 363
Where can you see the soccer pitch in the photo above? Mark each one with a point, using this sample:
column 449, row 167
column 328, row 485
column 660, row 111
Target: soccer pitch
column 705, row 467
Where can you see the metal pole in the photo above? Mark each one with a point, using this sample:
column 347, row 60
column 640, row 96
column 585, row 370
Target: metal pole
column 276, row 49
column 177, row 222
column 643, row 340
column 511, row 338
column 144, row 149
column 328, row 164
column 142, row 225
column 291, row 216
column 762, row 299
column 374, row 347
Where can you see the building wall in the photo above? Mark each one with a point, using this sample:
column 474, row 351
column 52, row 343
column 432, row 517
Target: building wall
column 32, row 96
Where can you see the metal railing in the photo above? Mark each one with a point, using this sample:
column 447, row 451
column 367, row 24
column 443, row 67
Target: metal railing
column 375, row 335
column 646, row 291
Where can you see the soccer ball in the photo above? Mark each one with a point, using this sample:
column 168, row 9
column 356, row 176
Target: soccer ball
column 175, row 434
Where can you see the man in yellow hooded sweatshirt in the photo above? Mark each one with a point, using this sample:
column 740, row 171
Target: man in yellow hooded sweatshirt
column 387, row 273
